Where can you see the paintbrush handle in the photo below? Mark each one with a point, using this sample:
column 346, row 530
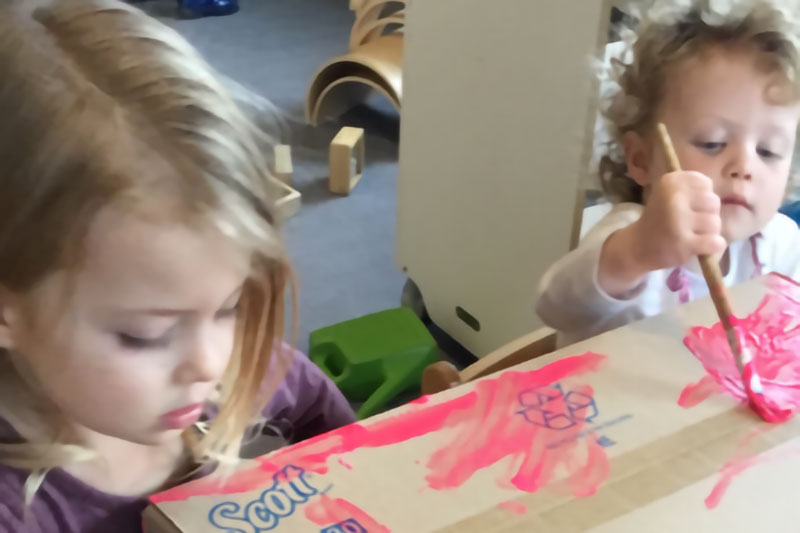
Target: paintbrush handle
column 709, row 266
column 716, row 287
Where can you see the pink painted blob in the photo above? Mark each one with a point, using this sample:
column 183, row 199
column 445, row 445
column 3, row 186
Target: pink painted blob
column 326, row 511
column 513, row 507
column 772, row 335
column 480, row 428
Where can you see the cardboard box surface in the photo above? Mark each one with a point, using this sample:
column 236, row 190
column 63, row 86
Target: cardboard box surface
column 590, row 438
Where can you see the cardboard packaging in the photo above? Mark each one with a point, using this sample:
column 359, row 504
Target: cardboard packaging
column 590, row 438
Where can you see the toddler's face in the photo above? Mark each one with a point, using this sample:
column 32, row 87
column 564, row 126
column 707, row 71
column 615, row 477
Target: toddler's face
column 145, row 333
column 724, row 125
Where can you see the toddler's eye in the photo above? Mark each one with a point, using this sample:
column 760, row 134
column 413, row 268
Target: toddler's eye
column 768, row 154
column 140, row 343
column 710, row 146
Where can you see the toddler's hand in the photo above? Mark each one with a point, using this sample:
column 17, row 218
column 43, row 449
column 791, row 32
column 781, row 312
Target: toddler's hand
column 681, row 219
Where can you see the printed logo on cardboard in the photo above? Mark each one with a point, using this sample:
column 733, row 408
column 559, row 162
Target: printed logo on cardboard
column 549, row 407
column 289, row 490
column 553, row 408
column 348, row 526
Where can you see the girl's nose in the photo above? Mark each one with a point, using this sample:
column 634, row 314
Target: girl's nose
column 739, row 165
column 202, row 362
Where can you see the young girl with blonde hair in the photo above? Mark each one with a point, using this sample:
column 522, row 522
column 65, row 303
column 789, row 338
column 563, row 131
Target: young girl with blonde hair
column 142, row 279
column 724, row 77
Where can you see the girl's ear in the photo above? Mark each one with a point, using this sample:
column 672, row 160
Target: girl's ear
column 8, row 319
column 637, row 157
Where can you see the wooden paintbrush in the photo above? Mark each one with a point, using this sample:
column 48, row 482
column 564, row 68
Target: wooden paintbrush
column 713, row 277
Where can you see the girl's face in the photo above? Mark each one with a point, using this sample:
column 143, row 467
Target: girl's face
column 724, row 124
column 131, row 344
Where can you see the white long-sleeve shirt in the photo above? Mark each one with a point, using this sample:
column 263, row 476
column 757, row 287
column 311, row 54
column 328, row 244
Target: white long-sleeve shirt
column 572, row 302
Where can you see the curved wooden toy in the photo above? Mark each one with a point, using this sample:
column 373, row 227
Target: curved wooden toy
column 370, row 24
column 369, row 31
column 375, row 66
column 374, row 62
column 442, row 375
column 366, row 10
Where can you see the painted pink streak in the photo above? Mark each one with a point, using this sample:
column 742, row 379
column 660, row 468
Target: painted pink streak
column 772, row 335
column 738, row 465
column 513, row 507
column 728, row 472
column 326, row 511
column 487, row 426
column 696, row 393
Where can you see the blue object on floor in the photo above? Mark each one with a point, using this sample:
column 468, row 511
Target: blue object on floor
column 792, row 211
column 207, row 8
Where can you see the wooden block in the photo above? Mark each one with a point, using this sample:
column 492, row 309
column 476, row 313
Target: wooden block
column 346, row 160
column 283, row 163
column 289, row 200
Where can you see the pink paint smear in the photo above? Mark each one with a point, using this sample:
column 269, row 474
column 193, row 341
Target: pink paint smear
column 513, row 507
column 485, row 425
column 741, row 463
column 772, row 334
column 326, row 511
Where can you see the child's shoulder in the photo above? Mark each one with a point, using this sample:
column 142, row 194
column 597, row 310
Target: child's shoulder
column 307, row 398
column 603, row 219
column 64, row 504
column 781, row 233
column 780, row 245
column 11, row 490
column 780, row 225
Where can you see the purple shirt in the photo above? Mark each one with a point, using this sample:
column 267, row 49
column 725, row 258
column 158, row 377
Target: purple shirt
column 307, row 403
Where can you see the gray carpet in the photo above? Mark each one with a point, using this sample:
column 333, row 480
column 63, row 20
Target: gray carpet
column 343, row 248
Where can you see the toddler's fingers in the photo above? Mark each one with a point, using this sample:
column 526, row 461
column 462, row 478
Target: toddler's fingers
column 706, row 224
column 698, row 181
column 705, row 202
column 708, row 245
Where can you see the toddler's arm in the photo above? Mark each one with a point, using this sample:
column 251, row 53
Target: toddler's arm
column 571, row 298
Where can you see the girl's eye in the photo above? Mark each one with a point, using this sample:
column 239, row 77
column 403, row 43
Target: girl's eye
column 767, row 154
column 710, row 146
column 140, row 343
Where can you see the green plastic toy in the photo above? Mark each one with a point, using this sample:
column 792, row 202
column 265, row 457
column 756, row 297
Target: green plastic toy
column 374, row 358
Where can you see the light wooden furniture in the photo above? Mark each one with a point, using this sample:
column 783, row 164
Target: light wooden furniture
column 288, row 199
column 443, row 375
column 495, row 144
column 346, row 160
column 373, row 63
column 283, row 163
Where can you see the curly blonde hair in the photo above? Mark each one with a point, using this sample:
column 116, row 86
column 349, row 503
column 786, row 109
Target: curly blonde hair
column 668, row 32
column 102, row 104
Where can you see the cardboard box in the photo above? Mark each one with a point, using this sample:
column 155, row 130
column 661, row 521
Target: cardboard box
column 590, row 438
